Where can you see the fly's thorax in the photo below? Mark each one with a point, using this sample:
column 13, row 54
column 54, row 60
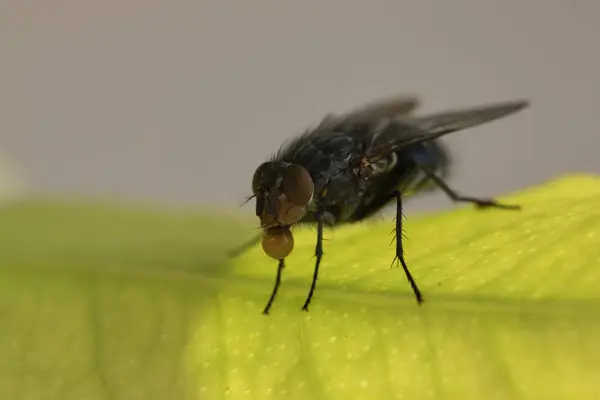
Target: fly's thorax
column 378, row 166
column 336, row 197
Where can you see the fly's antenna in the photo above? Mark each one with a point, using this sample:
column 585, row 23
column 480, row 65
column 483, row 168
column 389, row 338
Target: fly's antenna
column 247, row 200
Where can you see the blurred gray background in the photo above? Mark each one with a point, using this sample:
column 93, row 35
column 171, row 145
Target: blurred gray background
column 179, row 101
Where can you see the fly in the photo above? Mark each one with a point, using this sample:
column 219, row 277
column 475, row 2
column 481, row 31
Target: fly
column 350, row 166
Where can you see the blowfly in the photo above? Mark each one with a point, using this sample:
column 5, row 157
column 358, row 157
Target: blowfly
column 352, row 165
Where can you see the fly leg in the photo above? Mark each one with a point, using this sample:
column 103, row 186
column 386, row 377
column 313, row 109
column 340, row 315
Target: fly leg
column 482, row 203
column 318, row 255
column 400, row 251
column 236, row 251
column 275, row 288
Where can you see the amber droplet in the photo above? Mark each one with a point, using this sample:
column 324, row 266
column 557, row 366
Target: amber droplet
column 278, row 242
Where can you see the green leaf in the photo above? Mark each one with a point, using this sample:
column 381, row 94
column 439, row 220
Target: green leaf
column 124, row 302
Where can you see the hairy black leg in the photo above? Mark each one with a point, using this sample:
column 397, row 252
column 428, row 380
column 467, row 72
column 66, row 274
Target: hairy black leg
column 275, row 288
column 400, row 250
column 467, row 199
column 319, row 255
column 244, row 246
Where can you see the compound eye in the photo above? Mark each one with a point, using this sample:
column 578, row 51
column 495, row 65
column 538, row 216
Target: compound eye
column 278, row 242
column 297, row 185
column 290, row 214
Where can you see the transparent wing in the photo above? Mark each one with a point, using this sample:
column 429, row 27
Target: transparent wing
column 387, row 108
column 456, row 120
column 406, row 131
column 390, row 107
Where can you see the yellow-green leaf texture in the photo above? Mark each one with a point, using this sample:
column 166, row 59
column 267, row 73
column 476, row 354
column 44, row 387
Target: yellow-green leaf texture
column 101, row 301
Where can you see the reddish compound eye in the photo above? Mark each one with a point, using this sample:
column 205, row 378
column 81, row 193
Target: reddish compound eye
column 297, row 185
column 278, row 242
column 289, row 213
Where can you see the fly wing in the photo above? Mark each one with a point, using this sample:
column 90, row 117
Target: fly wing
column 407, row 131
column 388, row 108
column 456, row 120
column 391, row 107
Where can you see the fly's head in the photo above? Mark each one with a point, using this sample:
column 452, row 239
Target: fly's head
column 283, row 192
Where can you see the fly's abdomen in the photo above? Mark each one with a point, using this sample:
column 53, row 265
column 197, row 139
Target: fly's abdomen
column 433, row 155
column 438, row 158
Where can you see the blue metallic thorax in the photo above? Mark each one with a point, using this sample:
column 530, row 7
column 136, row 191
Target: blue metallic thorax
column 330, row 159
column 333, row 159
